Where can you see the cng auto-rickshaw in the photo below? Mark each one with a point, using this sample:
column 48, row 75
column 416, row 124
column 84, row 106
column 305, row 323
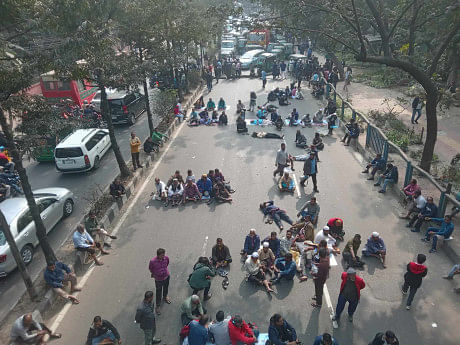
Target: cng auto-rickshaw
column 265, row 62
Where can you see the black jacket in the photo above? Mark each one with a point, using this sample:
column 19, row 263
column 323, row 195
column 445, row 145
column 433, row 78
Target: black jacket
column 414, row 275
column 96, row 332
column 378, row 340
column 307, row 166
column 145, row 315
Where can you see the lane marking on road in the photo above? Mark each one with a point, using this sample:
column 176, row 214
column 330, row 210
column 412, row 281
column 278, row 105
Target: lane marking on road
column 203, row 250
column 133, row 202
column 296, row 186
column 327, row 297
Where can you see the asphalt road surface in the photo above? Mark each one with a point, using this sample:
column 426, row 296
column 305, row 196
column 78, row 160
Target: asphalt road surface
column 42, row 175
column 187, row 232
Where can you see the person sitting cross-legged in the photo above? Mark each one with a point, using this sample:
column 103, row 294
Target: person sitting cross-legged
column 210, row 106
column 102, row 332
column 325, row 339
column 241, row 126
column 430, row 210
column 117, row 189
column 300, row 140
column 416, row 204
column 285, row 268
column 175, row 192
column 390, row 175
column 161, row 191
column 223, row 119
column 350, row 252
column 310, row 208
column 411, row 188
column 286, row 183
column 204, row 185
column 378, row 163
column 221, row 254
column 94, row 229
column 221, row 193
column 255, row 272
column 251, row 243
column 240, row 332
column 27, row 330
column 336, row 228
column 191, row 192
column 83, row 242
column 376, row 247
column 280, row 332
column 56, row 275
column 444, row 232
column 266, row 257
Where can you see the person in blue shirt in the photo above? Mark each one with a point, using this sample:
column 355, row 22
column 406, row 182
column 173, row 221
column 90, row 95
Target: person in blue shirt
column 378, row 163
column 83, row 242
column 56, row 275
column 280, row 332
column 221, row 105
column 325, row 339
column 204, row 185
column 274, row 244
column 251, row 243
column 429, row 211
column 264, row 78
column 275, row 214
column 376, row 247
column 446, row 229
column 198, row 334
column 284, row 268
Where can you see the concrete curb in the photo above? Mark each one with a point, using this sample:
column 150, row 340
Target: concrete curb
column 110, row 216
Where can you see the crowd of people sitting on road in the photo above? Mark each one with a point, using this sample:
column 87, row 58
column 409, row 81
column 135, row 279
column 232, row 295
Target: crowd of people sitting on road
column 177, row 191
column 200, row 113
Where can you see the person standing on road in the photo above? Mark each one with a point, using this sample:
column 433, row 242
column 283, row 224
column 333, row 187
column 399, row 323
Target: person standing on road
column 135, row 143
column 158, row 268
column 282, row 160
column 416, row 109
column 310, row 168
column 145, row 317
column 264, row 78
column 320, row 277
column 385, row 338
column 416, row 271
column 350, row 291
column 283, row 70
column 253, row 101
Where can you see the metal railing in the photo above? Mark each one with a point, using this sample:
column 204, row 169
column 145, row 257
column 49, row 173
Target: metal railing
column 377, row 141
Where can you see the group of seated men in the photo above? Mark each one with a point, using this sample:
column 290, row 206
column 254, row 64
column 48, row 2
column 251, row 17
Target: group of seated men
column 177, row 190
column 200, row 115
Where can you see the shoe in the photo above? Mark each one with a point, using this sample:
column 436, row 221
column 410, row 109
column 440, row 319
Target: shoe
column 113, row 237
column 292, row 169
column 376, row 184
column 108, row 245
column 416, row 122
column 448, row 277
column 207, row 297
column 370, row 179
column 364, row 171
column 407, row 307
column 403, row 292
column 424, row 240
column 350, row 318
column 335, row 318
column 158, row 310
column 432, row 250
column 382, row 191
column 408, row 225
column 414, row 230
column 316, row 190
column 302, row 184
column 156, row 340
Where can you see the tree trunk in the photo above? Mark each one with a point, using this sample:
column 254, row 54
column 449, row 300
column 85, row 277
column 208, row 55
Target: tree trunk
column 17, row 257
column 27, row 189
column 147, row 96
column 453, row 66
column 413, row 28
column 337, row 64
column 105, row 110
column 431, row 130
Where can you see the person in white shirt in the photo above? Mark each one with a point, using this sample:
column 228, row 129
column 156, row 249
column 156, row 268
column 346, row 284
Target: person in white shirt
column 175, row 192
column 26, row 330
column 255, row 272
column 416, row 205
column 283, row 158
column 218, row 330
column 161, row 193
column 325, row 235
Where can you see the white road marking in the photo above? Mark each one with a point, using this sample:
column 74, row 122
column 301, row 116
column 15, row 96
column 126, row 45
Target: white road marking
column 203, row 250
column 327, row 297
column 133, row 201
column 296, row 186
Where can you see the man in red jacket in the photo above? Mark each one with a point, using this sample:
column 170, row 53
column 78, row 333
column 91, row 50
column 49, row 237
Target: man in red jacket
column 350, row 291
column 240, row 332
column 413, row 278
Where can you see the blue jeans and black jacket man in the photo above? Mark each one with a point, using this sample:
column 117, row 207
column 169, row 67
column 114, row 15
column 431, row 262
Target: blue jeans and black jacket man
column 430, row 210
column 285, row 268
column 390, row 175
column 145, row 317
column 310, row 168
column 280, row 332
column 446, row 229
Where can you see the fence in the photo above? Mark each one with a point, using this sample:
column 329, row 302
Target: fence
column 379, row 143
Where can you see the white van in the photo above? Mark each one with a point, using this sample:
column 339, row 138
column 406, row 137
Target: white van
column 82, row 150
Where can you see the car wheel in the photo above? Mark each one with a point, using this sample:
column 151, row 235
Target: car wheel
column 27, row 253
column 68, row 207
column 132, row 119
column 97, row 163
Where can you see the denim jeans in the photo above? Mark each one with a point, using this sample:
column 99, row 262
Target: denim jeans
column 341, row 306
column 149, row 334
column 418, row 112
column 386, row 181
column 412, row 292
column 278, row 216
column 435, row 237
column 452, row 271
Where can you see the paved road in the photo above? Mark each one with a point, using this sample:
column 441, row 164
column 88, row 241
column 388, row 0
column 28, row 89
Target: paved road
column 43, row 175
column 114, row 290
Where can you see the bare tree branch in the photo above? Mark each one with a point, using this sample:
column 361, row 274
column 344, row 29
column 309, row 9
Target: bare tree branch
column 443, row 47
column 358, row 30
column 401, row 15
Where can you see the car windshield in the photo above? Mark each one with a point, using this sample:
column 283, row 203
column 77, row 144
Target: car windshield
column 2, row 238
column 68, row 152
column 227, row 44
column 115, row 103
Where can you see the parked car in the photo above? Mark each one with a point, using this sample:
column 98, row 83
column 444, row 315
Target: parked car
column 249, row 58
column 96, row 101
column 82, row 150
column 126, row 107
column 53, row 203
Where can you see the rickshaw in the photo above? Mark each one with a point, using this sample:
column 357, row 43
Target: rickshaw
column 265, row 62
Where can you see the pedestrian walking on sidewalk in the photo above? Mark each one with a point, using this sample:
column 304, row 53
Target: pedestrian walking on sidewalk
column 416, row 271
column 158, row 268
column 145, row 317
column 350, row 291
column 135, row 143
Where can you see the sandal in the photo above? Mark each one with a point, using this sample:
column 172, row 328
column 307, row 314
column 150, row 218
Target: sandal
column 225, row 283
column 167, row 300
column 56, row 335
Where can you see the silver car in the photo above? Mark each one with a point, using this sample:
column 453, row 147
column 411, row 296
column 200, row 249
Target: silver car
column 53, row 203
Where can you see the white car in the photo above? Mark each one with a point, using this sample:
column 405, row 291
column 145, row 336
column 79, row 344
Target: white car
column 53, row 203
column 96, row 101
column 249, row 58
column 82, row 150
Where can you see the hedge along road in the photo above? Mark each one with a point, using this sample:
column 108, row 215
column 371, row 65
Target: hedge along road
column 42, row 175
